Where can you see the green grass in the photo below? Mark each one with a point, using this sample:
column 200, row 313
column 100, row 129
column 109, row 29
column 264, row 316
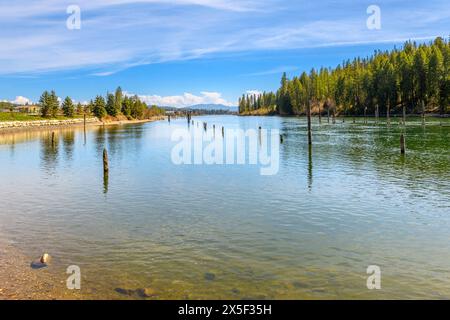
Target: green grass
column 15, row 116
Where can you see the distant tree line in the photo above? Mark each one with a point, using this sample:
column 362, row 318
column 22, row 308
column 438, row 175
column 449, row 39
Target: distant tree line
column 113, row 105
column 410, row 79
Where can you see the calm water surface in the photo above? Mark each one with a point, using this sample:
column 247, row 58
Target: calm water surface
column 218, row 232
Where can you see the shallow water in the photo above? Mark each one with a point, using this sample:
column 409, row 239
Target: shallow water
column 225, row 231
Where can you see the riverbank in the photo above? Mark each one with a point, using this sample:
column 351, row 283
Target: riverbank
column 18, row 281
column 13, row 126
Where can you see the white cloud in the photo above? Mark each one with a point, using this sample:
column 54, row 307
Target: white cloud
column 20, row 100
column 185, row 100
column 119, row 34
column 278, row 70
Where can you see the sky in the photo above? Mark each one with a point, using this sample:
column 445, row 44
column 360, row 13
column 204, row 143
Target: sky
column 186, row 52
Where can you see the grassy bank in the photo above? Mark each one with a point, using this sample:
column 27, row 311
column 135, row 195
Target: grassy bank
column 16, row 116
column 260, row 112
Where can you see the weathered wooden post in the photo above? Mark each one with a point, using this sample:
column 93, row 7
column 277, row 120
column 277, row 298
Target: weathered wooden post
column 365, row 115
column 308, row 111
column 388, row 111
column 105, row 162
column 320, row 115
column 223, row 132
column 281, row 139
column 404, row 115
column 377, row 113
column 423, row 112
column 205, row 126
column 310, row 167
column 402, row 144
column 168, row 118
column 84, row 121
column 53, row 139
column 328, row 114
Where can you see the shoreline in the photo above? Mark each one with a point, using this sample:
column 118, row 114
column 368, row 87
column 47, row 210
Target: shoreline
column 324, row 116
column 69, row 124
column 18, row 281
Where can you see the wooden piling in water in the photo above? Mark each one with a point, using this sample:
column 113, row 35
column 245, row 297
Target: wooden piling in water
column 281, row 139
column 309, row 123
column 105, row 162
column 320, row 115
column 423, row 112
column 388, row 115
column 53, row 139
column 328, row 115
column 404, row 115
column 377, row 113
column 402, row 144
column 365, row 115
column 223, row 132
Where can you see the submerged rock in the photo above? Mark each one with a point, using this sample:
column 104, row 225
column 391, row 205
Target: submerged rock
column 210, row 276
column 300, row 285
column 45, row 258
column 123, row 291
column 141, row 292
column 146, row 293
column 42, row 262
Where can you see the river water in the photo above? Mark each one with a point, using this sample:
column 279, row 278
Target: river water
column 225, row 231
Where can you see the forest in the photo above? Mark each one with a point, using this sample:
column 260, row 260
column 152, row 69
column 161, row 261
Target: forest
column 414, row 79
column 114, row 105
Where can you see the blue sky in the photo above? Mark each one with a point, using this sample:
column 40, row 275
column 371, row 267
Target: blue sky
column 184, row 52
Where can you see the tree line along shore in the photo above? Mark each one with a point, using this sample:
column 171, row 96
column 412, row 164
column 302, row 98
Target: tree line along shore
column 115, row 106
column 414, row 79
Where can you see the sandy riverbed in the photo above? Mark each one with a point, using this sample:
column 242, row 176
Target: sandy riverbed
column 18, row 281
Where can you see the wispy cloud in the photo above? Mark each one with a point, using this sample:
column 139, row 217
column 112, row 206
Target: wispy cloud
column 277, row 70
column 119, row 34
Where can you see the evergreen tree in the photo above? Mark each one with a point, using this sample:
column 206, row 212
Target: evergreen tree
column 53, row 104
column 68, row 108
column 99, row 107
column 391, row 81
column 44, row 103
column 111, row 105
column 118, row 99
column 126, row 106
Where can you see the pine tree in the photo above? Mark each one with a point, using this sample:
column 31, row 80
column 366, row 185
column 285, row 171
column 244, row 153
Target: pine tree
column 68, row 108
column 99, row 107
column 111, row 105
column 387, row 81
column 44, row 103
column 118, row 99
column 53, row 104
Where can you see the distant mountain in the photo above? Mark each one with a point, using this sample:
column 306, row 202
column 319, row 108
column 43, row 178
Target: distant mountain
column 214, row 107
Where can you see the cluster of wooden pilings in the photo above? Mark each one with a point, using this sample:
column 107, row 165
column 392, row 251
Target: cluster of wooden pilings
column 377, row 117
